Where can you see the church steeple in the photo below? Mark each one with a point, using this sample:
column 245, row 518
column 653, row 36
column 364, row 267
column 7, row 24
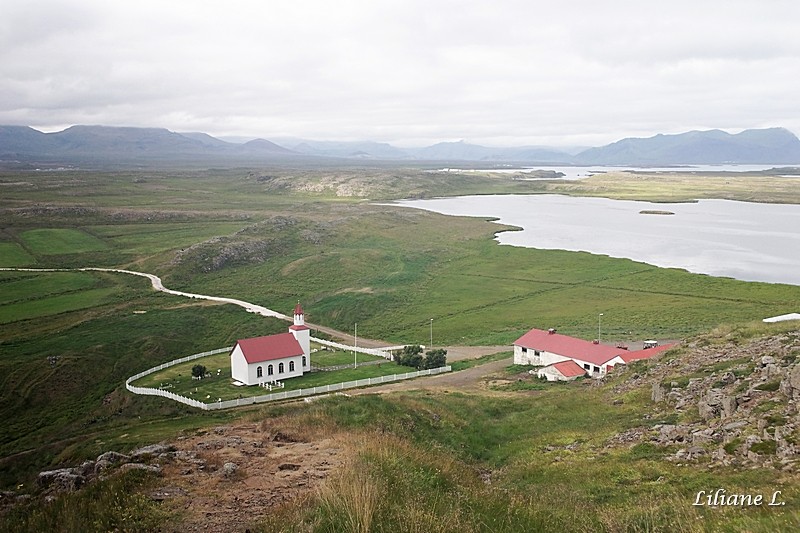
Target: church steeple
column 302, row 334
column 299, row 318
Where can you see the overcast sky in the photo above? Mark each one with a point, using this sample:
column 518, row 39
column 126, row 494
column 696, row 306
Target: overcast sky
column 408, row 72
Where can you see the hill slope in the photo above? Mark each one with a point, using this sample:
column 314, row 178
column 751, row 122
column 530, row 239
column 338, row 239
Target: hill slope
column 124, row 145
column 768, row 146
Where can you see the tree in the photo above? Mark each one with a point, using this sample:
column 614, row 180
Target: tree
column 435, row 358
column 411, row 356
column 198, row 371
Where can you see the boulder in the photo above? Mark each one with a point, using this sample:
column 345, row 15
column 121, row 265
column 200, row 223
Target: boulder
column 155, row 469
column 657, row 394
column 148, row 452
column 729, row 404
column 113, row 458
column 229, row 469
column 61, row 480
column 791, row 383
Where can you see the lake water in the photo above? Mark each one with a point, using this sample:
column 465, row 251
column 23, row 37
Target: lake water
column 580, row 172
column 746, row 241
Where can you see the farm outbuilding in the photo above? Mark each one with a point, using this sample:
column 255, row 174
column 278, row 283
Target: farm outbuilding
column 563, row 371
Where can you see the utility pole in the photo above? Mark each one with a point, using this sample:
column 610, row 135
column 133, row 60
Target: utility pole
column 355, row 346
column 598, row 327
column 431, row 347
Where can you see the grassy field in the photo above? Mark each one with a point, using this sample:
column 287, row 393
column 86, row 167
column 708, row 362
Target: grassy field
column 59, row 241
column 14, row 255
column 687, row 186
column 68, row 340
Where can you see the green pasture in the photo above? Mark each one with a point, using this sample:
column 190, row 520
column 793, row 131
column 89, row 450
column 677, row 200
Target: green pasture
column 58, row 241
column 14, row 255
column 158, row 237
column 21, row 286
column 325, row 358
column 56, row 304
column 395, row 273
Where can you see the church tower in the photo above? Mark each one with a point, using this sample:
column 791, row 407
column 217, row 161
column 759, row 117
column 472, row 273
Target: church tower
column 303, row 335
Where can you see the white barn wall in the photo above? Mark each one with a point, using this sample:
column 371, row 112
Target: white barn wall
column 530, row 358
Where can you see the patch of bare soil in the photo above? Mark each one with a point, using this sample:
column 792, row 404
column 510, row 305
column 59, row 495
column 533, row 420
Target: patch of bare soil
column 228, row 478
column 470, row 380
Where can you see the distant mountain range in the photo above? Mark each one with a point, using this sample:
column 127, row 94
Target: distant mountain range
column 149, row 146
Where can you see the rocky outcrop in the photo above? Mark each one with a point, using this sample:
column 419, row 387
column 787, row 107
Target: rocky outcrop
column 148, row 459
column 733, row 403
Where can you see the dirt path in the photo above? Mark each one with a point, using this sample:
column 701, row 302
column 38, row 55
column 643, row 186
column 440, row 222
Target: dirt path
column 469, row 380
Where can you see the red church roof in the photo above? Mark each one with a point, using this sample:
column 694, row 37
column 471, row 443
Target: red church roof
column 569, row 368
column 596, row 354
column 298, row 310
column 270, row 347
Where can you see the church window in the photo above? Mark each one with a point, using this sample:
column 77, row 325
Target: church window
column 259, row 372
column 270, row 370
column 304, row 361
column 280, row 368
column 291, row 366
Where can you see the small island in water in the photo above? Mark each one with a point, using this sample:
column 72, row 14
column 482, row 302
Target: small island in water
column 655, row 212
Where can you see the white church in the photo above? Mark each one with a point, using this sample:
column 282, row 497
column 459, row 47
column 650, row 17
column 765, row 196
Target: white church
column 273, row 357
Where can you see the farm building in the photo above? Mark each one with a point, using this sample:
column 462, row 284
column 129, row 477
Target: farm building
column 273, row 357
column 546, row 348
column 564, row 371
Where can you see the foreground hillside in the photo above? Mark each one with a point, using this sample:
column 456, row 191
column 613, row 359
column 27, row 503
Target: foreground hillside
column 514, row 455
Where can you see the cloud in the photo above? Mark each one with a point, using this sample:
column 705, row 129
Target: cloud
column 406, row 72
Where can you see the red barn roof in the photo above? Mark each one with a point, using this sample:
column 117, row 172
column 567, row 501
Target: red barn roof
column 596, row 354
column 569, row 369
column 645, row 354
column 270, row 347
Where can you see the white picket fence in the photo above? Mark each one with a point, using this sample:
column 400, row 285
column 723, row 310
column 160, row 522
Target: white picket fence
column 298, row 393
column 166, row 394
column 371, row 351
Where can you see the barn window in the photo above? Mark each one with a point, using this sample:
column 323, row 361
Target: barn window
column 280, row 368
column 537, row 353
column 587, row 367
column 259, row 372
column 291, row 366
column 270, row 370
column 524, row 350
column 597, row 369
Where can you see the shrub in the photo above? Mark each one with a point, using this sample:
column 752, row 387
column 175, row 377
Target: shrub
column 771, row 386
column 435, row 358
column 768, row 447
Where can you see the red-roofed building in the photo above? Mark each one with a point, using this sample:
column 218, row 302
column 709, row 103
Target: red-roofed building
column 273, row 357
column 545, row 348
column 564, row 371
